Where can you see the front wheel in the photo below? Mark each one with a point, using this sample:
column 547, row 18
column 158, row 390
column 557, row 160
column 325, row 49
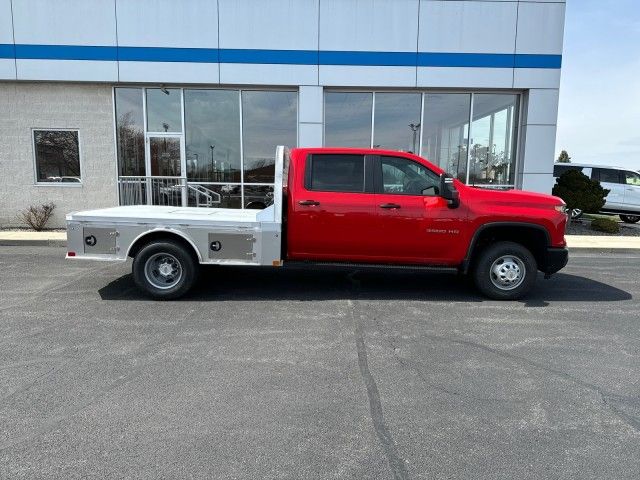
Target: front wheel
column 576, row 213
column 630, row 218
column 505, row 271
column 164, row 270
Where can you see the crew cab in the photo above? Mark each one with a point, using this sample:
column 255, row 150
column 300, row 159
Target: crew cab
column 371, row 207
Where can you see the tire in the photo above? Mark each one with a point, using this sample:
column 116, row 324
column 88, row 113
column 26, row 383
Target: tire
column 576, row 213
column 164, row 270
column 492, row 276
column 630, row 218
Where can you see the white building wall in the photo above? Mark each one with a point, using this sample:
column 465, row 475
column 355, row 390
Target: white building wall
column 310, row 44
column 86, row 107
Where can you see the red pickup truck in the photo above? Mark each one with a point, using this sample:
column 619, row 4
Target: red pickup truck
column 344, row 206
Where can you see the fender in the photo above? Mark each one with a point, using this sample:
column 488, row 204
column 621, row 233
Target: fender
column 464, row 267
column 166, row 230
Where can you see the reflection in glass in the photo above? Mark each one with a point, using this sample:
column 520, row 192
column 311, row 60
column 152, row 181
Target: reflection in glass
column 347, row 119
column 269, row 119
column 397, row 121
column 165, row 156
column 212, row 125
column 57, row 156
column 130, row 131
column 164, row 110
column 258, row 196
column 491, row 156
column 445, row 132
column 203, row 195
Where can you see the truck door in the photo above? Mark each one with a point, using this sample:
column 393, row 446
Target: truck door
column 415, row 224
column 331, row 211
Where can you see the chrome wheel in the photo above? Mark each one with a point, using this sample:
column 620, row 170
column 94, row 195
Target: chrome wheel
column 507, row 272
column 576, row 213
column 163, row 270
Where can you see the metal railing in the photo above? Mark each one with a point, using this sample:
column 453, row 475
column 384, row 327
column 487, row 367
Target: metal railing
column 169, row 191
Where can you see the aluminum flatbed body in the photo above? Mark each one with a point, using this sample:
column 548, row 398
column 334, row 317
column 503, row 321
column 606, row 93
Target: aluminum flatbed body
column 217, row 235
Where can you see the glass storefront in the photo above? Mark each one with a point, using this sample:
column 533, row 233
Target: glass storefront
column 201, row 147
column 434, row 125
column 347, row 119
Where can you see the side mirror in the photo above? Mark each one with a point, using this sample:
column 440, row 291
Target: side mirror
column 448, row 191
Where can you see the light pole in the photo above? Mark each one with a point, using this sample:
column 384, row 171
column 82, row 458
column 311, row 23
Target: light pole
column 414, row 128
column 212, row 172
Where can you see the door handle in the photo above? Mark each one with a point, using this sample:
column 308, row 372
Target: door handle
column 390, row 205
column 308, row 203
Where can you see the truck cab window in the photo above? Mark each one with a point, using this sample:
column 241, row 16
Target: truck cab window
column 405, row 177
column 335, row 173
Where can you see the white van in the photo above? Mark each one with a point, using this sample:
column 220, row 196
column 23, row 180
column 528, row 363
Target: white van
column 623, row 185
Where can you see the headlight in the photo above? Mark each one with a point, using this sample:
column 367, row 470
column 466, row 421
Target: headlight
column 561, row 209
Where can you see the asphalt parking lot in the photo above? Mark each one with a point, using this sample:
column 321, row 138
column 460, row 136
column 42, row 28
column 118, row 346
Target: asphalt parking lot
column 317, row 374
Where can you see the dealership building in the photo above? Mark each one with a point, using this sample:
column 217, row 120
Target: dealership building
column 107, row 102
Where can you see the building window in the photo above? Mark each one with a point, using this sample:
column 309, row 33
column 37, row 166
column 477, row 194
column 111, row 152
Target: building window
column 57, row 156
column 491, row 150
column 397, row 121
column 130, row 131
column 269, row 119
column 164, row 107
column 445, row 132
column 347, row 119
column 207, row 147
column 212, row 128
column 478, row 151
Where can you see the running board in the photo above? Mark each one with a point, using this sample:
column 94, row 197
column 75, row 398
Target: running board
column 376, row 266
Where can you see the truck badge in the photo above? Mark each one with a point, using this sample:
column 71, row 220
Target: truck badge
column 216, row 246
column 90, row 240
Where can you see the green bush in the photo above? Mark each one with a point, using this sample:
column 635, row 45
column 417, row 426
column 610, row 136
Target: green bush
column 579, row 191
column 603, row 224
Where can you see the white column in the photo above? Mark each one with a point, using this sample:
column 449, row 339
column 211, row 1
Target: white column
column 538, row 140
column 310, row 116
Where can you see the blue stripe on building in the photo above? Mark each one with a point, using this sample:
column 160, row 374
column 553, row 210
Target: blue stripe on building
column 286, row 57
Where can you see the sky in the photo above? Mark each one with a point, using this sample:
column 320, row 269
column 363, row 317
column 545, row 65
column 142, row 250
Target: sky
column 599, row 110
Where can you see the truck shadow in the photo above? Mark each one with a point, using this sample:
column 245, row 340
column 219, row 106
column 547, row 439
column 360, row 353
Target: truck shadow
column 336, row 283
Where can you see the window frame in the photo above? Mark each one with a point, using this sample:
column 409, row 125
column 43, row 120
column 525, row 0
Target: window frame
column 367, row 181
column 38, row 183
column 378, row 182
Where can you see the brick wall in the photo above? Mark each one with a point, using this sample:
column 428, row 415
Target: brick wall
column 86, row 107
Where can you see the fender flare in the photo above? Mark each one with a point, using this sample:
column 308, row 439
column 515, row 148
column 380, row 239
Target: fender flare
column 466, row 262
column 171, row 231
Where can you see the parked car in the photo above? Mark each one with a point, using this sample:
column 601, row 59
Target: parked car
column 375, row 208
column 623, row 185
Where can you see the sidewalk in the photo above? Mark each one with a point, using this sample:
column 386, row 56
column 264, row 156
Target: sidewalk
column 29, row 238
column 583, row 243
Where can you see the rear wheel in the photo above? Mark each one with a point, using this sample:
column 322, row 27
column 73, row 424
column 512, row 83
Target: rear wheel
column 505, row 271
column 164, row 270
column 630, row 218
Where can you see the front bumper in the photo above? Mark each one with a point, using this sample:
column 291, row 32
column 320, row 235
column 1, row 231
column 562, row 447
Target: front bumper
column 555, row 259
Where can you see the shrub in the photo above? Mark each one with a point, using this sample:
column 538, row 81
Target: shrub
column 603, row 224
column 579, row 191
column 37, row 216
